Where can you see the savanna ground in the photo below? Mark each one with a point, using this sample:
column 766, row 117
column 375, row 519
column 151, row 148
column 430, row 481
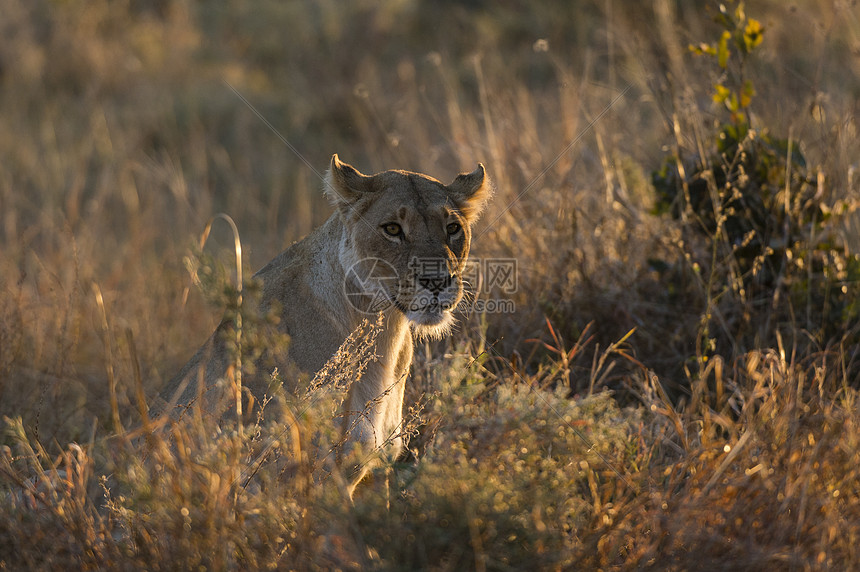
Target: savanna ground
column 675, row 388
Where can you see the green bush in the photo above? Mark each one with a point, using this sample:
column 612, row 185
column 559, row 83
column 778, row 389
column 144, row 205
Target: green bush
column 770, row 222
column 504, row 485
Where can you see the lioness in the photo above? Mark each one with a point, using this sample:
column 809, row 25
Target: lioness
column 396, row 245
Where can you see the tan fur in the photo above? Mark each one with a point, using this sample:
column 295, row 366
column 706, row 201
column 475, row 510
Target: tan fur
column 325, row 285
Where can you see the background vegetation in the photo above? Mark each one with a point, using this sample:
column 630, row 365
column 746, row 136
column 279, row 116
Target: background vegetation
column 677, row 387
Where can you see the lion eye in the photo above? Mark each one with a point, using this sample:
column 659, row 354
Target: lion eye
column 392, row 229
column 454, row 228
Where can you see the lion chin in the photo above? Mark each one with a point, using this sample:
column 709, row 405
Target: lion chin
column 431, row 325
column 430, row 321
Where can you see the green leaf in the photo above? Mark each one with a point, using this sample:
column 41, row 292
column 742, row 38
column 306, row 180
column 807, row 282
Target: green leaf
column 723, row 49
column 747, row 94
column 721, row 93
column 732, row 103
column 739, row 12
column 753, row 34
column 703, row 49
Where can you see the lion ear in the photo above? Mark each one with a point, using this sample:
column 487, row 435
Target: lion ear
column 344, row 184
column 471, row 191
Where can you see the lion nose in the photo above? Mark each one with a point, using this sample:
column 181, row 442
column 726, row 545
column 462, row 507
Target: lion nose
column 435, row 284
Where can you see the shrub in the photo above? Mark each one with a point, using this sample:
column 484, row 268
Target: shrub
column 774, row 256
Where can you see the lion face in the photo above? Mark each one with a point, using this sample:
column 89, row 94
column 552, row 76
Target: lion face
column 407, row 240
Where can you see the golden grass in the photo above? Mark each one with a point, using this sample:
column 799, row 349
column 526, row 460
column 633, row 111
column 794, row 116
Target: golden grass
column 707, row 438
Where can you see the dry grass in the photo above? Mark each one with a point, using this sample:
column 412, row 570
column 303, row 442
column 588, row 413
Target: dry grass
column 721, row 433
